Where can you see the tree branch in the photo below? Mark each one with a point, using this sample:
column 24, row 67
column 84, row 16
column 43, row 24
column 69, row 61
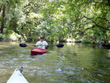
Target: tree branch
column 108, row 4
column 97, row 24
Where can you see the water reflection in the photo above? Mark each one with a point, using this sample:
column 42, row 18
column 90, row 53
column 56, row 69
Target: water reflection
column 74, row 63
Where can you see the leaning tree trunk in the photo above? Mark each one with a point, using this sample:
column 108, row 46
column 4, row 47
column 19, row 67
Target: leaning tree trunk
column 3, row 20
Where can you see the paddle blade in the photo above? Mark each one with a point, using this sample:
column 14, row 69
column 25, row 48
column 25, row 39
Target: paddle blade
column 60, row 45
column 22, row 45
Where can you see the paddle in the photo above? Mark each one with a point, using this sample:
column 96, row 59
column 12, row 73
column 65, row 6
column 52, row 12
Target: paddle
column 24, row 45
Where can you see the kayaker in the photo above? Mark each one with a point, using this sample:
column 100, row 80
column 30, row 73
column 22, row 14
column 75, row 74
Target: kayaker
column 42, row 43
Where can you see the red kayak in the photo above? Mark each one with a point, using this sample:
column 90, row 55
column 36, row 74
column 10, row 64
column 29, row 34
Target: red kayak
column 37, row 51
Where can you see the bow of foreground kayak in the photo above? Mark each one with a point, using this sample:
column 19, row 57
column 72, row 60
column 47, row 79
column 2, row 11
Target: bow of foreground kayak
column 17, row 77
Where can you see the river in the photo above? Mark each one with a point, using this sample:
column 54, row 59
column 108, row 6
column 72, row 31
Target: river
column 74, row 63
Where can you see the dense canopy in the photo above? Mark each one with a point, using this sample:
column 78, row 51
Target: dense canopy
column 85, row 20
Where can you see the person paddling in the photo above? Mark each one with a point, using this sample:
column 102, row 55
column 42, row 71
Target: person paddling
column 41, row 43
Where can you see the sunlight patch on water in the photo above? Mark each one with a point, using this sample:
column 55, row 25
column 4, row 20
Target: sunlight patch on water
column 59, row 70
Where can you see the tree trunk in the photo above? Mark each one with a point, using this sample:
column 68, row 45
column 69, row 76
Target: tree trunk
column 108, row 2
column 3, row 20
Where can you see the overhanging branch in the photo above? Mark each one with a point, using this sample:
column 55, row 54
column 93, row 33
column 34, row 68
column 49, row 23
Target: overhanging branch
column 97, row 24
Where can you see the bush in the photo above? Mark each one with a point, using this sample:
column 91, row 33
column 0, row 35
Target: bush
column 2, row 36
column 86, row 40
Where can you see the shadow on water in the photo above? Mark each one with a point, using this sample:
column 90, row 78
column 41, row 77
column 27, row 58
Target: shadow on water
column 74, row 63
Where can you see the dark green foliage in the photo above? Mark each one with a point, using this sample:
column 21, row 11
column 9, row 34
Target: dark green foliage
column 58, row 19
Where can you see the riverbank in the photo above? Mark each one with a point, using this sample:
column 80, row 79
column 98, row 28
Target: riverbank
column 106, row 46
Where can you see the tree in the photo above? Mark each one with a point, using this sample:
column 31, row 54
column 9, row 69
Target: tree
column 3, row 19
column 58, row 19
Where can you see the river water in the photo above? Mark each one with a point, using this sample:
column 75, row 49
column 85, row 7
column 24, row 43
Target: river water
column 74, row 63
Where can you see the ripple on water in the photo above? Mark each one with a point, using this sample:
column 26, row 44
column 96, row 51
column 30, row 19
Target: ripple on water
column 68, row 72
column 21, row 55
column 73, row 68
column 41, row 72
column 59, row 70
column 32, row 72
column 14, row 59
column 4, row 46
column 26, row 61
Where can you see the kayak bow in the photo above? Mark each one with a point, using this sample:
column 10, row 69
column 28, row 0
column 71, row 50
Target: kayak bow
column 17, row 77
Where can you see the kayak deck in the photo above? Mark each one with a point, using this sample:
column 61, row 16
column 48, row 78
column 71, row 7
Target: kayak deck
column 17, row 77
column 37, row 51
